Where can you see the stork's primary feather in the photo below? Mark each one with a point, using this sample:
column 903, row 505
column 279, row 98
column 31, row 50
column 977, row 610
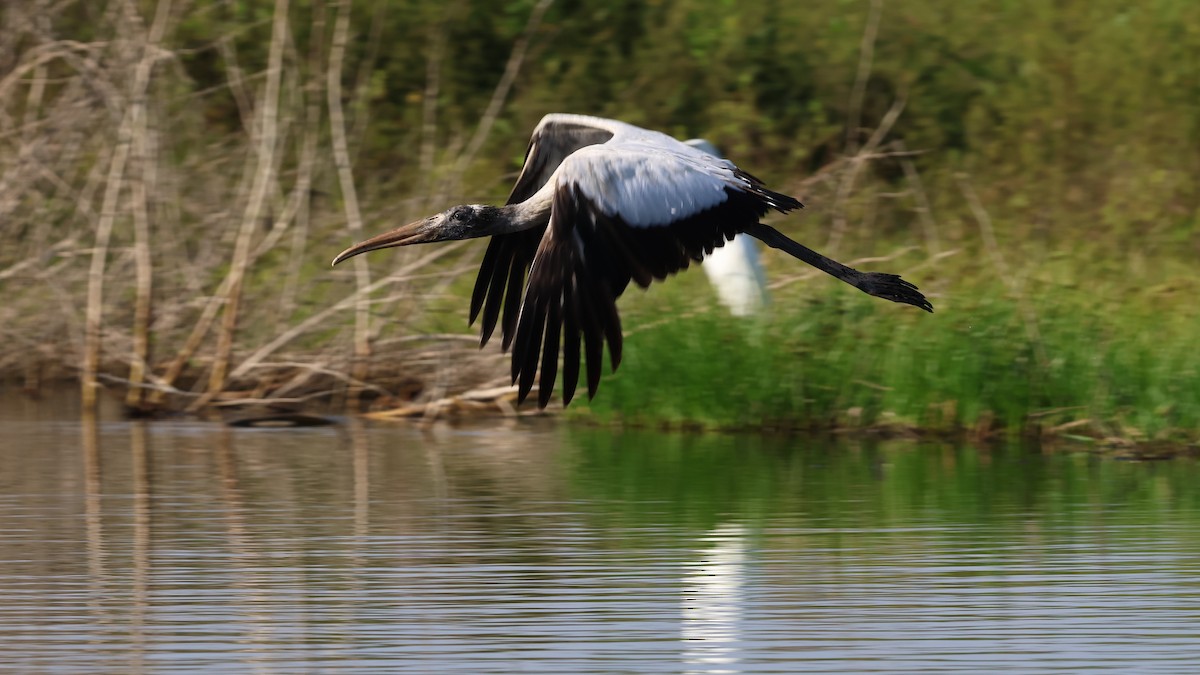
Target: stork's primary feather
column 600, row 203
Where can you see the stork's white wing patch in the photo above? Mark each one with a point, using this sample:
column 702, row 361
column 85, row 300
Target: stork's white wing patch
column 648, row 183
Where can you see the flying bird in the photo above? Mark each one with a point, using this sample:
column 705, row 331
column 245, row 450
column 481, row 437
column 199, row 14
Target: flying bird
column 600, row 203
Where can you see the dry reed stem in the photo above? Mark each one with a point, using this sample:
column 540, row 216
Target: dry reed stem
column 210, row 308
column 866, row 55
column 308, row 369
column 495, row 105
column 304, row 173
column 267, row 127
column 10, row 191
column 194, row 339
column 142, row 178
column 429, row 109
column 108, row 211
column 236, row 83
column 924, row 209
column 18, row 176
column 1014, row 283
column 163, row 270
column 360, row 117
column 341, row 159
column 303, row 203
column 41, row 55
column 502, row 398
column 849, row 177
column 356, row 299
column 95, row 292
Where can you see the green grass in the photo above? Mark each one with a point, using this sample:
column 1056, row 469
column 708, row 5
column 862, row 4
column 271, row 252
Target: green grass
column 981, row 362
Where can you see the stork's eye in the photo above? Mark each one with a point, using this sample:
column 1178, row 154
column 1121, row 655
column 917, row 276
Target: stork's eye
column 459, row 215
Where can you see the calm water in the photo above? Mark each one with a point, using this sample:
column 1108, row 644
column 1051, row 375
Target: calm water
column 184, row 546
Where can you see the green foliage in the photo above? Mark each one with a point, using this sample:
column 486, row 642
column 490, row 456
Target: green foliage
column 1053, row 106
column 851, row 360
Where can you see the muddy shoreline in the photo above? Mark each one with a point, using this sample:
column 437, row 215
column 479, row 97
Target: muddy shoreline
column 400, row 397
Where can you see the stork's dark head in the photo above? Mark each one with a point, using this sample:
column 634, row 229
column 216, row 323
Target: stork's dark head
column 460, row 222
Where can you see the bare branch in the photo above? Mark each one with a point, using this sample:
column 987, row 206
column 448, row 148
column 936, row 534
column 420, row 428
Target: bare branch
column 341, row 155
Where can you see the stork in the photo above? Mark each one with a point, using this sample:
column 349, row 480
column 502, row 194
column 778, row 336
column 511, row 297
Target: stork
column 600, row 203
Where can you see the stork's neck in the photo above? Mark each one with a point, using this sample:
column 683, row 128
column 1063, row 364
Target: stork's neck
column 531, row 213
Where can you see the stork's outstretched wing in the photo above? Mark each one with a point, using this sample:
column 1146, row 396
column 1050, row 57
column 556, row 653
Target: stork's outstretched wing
column 502, row 274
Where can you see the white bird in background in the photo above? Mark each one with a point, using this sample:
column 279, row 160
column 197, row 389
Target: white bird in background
column 600, row 203
column 734, row 269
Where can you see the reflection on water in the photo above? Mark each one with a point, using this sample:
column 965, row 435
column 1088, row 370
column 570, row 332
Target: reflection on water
column 183, row 546
column 712, row 601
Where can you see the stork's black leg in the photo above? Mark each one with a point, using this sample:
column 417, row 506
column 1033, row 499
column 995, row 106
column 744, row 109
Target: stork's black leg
column 881, row 285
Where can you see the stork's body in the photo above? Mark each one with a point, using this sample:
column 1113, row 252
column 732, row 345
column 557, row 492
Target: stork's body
column 600, row 203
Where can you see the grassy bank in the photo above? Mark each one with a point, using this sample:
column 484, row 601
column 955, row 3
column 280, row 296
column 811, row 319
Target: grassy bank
column 1061, row 361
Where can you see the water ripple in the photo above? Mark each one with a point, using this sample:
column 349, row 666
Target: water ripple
column 526, row 550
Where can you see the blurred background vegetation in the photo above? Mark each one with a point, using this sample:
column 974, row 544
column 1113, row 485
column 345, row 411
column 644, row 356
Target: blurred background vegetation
column 1031, row 165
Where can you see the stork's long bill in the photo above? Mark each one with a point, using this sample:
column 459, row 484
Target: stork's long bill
column 420, row 232
column 598, row 204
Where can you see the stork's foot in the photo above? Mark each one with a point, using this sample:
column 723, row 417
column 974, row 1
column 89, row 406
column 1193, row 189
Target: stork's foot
column 891, row 287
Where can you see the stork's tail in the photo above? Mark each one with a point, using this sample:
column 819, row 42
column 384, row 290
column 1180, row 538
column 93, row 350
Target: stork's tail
column 776, row 200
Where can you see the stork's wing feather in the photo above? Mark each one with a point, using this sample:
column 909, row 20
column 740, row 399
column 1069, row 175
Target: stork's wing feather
column 501, row 279
column 620, row 213
column 568, row 293
column 502, row 273
column 555, row 138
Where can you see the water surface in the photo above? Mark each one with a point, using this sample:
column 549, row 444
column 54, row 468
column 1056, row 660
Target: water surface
column 186, row 546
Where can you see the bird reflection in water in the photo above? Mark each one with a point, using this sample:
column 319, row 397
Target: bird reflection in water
column 712, row 602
